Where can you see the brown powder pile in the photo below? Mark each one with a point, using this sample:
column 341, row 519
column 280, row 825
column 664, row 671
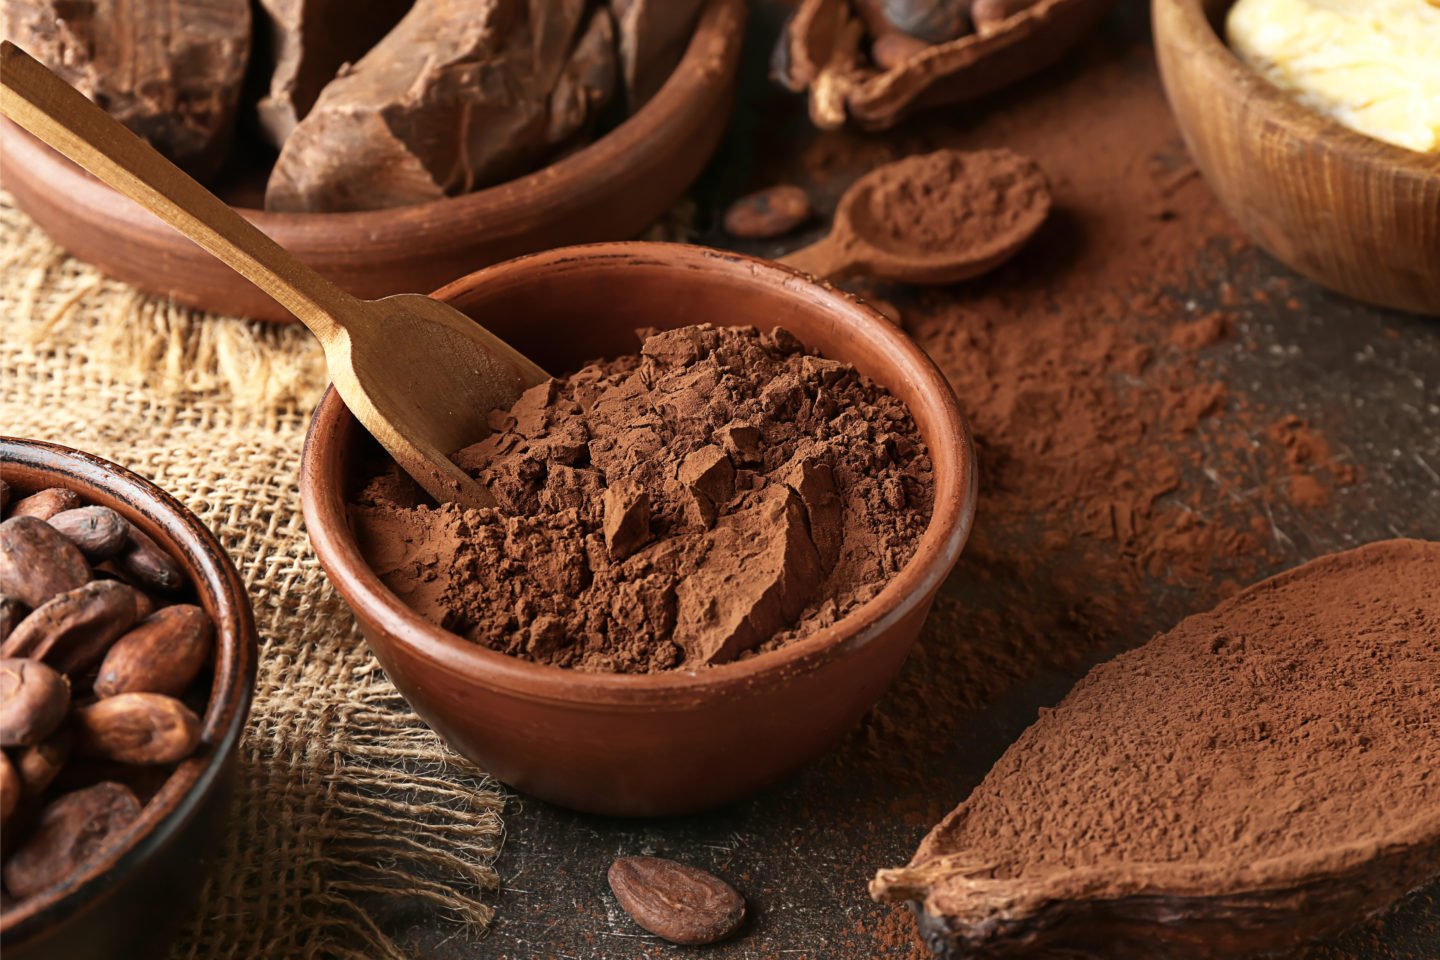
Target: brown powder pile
column 981, row 199
column 1280, row 750
column 722, row 491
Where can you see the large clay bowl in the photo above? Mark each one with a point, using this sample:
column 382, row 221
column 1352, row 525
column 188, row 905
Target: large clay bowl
column 610, row 190
column 131, row 900
column 1354, row 214
column 678, row 741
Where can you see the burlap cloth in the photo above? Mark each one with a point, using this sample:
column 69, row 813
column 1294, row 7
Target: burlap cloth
column 335, row 769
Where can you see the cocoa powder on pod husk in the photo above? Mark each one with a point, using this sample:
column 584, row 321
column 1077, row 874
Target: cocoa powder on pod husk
column 68, row 834
column 1260, row 775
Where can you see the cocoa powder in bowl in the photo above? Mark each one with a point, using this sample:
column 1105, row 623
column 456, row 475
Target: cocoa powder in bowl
column 723, row 492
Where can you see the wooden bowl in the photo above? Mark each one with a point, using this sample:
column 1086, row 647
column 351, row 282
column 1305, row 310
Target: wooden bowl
column 611, row 189
column 683, row 740
column 1352, row 213
column 132, row 899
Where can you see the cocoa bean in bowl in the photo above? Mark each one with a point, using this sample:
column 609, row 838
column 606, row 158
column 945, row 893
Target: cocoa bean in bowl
column 713, row 546
column 127, row 662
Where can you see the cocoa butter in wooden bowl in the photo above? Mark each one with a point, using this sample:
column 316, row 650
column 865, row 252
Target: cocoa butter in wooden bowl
column 610, row 188
column 1351, row 212
column 111, row 823
column 715, row 712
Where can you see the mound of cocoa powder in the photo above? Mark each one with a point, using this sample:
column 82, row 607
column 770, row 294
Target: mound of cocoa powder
column 722, row 492
column 1268, row 767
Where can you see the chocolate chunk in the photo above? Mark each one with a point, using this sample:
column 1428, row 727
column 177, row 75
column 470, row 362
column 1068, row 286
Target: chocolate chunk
column 653, row 37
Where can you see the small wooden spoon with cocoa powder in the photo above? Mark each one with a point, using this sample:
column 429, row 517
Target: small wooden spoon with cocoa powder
column 936, row 218
column 420, row 375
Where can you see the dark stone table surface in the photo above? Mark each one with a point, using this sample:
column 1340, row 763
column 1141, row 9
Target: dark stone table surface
column 803, row 851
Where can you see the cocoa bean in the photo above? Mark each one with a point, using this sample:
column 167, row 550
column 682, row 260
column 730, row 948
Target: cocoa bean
column 141, row 728
column 12, row 611
column 70, row 832
column 675, row 901
column 74, row 630
column 768, row 213
column 33, row 701
column 99, row 532
column 40, row 764
column 162, row 654
column 46, row 503
column 37, row 563
column 147, row 566
column 11, row 788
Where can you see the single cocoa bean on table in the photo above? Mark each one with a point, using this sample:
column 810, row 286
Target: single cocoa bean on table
column 162, row 654
column 768, row 213
column 675, row 901
column 11, row 788
column 75, row 629
column 37, row 562
column 70, row 832
column 46, row 503
column 147, row 566
column 142, row 728
column 41, row 764
column 99, row 532
column 33, row 701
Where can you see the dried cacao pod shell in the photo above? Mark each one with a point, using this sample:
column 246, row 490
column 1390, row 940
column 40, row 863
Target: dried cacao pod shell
column 162, row 654
column 820, row 50
column 140, row 728
column 99, row 532
column 74, row 630
column 33, row 701
column 70, row 832
column 39, row 765
column 675, row 901
column 46, row 503
column 144, row 564
column 37, row 563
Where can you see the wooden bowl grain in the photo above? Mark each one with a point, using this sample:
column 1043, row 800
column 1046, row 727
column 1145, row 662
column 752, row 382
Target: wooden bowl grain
column 1354, row 214
column 680, row 740
column 131, row 899
column 612, row 189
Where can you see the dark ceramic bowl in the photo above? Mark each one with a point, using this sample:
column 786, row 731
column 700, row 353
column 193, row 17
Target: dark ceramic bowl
column 677, row 741
column 130, row 901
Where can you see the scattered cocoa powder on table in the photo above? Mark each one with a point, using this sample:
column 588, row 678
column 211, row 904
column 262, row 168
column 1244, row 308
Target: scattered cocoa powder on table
column 722, row 492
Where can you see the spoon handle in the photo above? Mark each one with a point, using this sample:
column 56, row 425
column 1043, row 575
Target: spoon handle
column 50, row 109
column 824, row 259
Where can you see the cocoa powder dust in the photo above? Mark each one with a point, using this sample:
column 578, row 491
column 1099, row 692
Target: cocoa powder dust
column 723, row 492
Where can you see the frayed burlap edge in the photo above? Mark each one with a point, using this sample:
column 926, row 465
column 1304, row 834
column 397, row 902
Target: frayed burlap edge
column 349, row 812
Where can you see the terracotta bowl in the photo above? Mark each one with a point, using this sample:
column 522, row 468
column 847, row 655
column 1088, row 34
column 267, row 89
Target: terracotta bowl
column 1354, row 214
column 679, row 741
column 130, row 901
column 612, row 189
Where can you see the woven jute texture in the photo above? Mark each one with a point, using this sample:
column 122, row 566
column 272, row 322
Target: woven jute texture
column 349, row 809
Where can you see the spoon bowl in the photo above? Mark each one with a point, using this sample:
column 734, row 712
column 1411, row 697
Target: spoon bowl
column 932, row 219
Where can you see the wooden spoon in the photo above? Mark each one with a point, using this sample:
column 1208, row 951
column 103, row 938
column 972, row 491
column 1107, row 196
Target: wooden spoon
column 420, row 375
column 876, row 230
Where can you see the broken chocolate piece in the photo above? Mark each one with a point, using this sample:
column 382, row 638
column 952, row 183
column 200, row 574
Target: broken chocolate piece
column 1260, row 775
column 309, row 41
column 653, row 37
column 588, row 82
column 760, row 572
column 171, row 70
column 456, row 97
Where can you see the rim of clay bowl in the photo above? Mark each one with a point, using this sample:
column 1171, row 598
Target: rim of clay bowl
column 178, row 801
column 1200, row 34
column 323, row 495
